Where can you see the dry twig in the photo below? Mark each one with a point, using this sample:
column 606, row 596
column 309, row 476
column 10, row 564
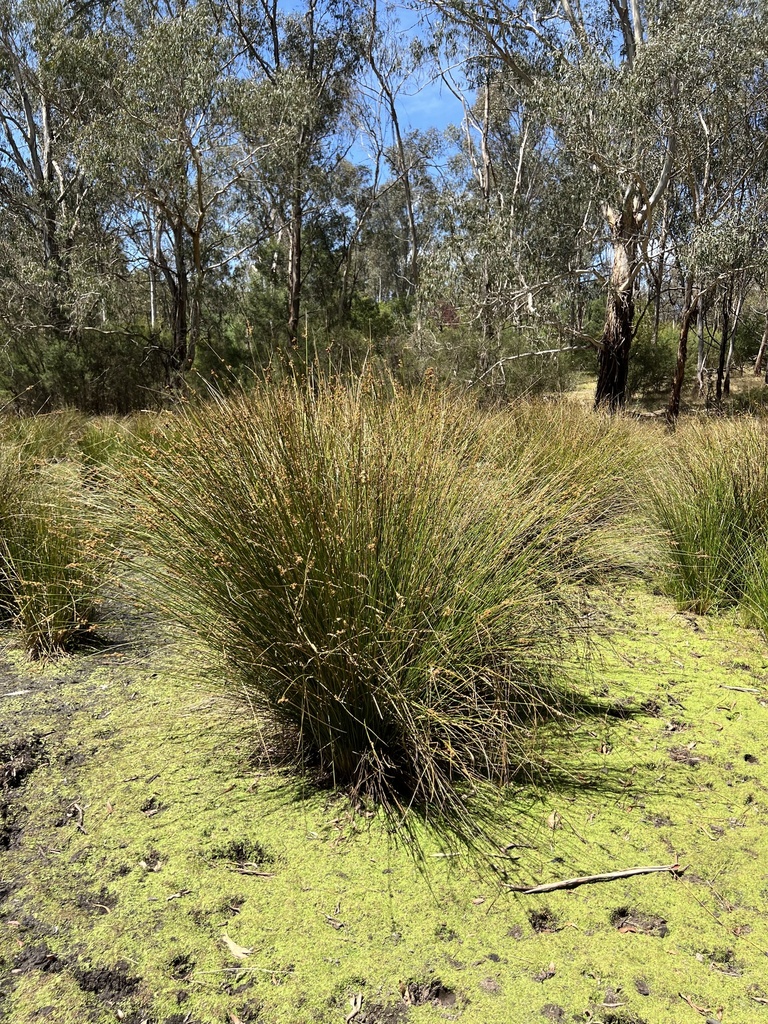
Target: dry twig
column 573, row 883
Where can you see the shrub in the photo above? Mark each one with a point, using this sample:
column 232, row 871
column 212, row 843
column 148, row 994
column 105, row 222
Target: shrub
column 384, row 584
column 711, row 499
column 42, row 371
column 652, row 361
column 52, row 564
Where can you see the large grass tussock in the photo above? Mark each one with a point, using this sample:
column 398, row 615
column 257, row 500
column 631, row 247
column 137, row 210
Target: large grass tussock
column 393, row 582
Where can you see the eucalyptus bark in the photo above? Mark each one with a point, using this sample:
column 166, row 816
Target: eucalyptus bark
column 701, row 355
column 613, row 363
column 762, row 350
column 184, row 316
column 294, row 267
column 724, row 340
column 690, row 308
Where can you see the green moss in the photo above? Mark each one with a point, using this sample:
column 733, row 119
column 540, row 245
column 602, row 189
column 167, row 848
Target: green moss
column 168, row 782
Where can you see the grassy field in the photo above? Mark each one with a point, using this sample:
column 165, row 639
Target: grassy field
column 161, row 862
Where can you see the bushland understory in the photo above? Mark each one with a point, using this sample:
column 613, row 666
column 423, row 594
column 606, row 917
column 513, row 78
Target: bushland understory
column 347, row 672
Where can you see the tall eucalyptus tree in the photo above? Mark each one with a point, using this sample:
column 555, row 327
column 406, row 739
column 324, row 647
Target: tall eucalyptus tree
column 610, row 77
column 170, row 146
column 46, row 97
column 302, row 62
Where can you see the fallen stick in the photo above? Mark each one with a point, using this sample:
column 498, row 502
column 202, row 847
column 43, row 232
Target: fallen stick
column 740, row 689
column 233, row 970
column 611, row 876
column 356, row 1002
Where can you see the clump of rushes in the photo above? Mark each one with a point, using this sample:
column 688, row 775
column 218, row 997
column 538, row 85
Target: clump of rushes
column 711, row 498
column 52, row 563
column 106, row 440
column 383, row 586
column 590, row 463
column 44, row 436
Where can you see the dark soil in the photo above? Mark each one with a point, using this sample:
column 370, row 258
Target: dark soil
column 552, row 1012
column 422, row 993
column 101, row 902
column 37, row 958
column 395, row 1013
column 6, row 888
column 107, row 983
column 242, row 852
column 543, row 921
column 627, row 920
column 683, row 755
column 18, row 758
column 617, row 1016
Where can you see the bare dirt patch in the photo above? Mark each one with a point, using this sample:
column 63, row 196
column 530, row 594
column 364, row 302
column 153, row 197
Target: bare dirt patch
column 108, row 983
column 543, row 921
column 624, row 919
column 37, row 958
column 18, row 759
column 423, row 993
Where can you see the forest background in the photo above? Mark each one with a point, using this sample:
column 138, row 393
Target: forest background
column 227, row 186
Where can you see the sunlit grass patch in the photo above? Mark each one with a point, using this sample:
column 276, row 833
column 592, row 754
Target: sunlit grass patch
column 44, row 436
column 108, row 440
column 52, row 560
column 711, row 499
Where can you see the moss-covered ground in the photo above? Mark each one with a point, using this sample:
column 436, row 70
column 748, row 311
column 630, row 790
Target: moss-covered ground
column 156, row 868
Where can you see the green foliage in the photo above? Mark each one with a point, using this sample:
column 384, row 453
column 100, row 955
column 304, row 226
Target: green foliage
column 652, row 361
column 117, row 371
column 711, row 498
column 52, row 564
column 494, row 370
column 392, row 580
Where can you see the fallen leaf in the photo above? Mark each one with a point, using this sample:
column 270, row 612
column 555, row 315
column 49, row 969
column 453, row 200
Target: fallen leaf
column 553, row 821
column 544, row 975
column 333, row 922
column 234, row 1019
column 703, row 1010
column 241, row 952
column 478, row 900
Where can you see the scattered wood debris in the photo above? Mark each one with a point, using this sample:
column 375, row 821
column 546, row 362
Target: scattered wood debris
column 573, row 883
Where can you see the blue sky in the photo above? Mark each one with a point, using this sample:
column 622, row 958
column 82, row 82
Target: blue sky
column 432, row 106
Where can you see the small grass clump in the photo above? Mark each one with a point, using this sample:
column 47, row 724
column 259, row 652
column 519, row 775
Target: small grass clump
column 383, row 588
column 711, row 499
column 44, row 436
column 52, row 563
column 592, row 462
column 108, row 440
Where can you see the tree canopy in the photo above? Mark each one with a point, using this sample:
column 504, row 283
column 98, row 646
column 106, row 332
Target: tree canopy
column 222, row 185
